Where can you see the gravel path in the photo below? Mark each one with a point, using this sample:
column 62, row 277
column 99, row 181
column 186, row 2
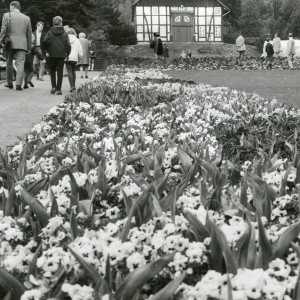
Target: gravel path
column 20, row 110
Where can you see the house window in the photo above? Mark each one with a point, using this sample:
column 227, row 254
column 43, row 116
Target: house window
column 218, row 31
column 154, row 19
column 202, row 31
column 163, row 30
column 218, row 11
column 155, row 10
column 201, row 20
column 162, row 20
column 201, row 11
column 209, row 11
column 139, row 20
column 147, row 10
column 140, row 37
column 218, row 20
column 162, row 10
column 139, row 10
column 139, row 28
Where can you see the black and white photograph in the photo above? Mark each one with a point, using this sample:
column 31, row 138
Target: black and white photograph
column 150, row 150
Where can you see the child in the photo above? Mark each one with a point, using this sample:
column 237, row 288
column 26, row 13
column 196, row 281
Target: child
column 166, row 51
column 28, row 67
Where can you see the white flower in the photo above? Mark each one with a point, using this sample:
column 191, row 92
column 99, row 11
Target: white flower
column 33, row 294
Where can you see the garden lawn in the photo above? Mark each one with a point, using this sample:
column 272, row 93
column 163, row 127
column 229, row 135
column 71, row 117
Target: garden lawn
column 280, row 84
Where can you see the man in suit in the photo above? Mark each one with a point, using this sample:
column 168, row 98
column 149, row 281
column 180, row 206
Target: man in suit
column 18, row 26
column 39, row 65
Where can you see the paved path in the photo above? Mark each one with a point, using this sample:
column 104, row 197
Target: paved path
column 20, row 110
column 284, row 85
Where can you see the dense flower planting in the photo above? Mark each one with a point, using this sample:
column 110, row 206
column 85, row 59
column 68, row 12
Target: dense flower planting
column 204, row 63
column 139, row 188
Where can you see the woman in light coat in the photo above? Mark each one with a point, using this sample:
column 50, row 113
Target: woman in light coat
column 85, row 60
column 73, row 58
column 241, row 47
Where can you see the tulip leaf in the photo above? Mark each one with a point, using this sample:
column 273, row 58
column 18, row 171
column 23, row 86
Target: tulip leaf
column 32, row 270
column 136, row 279
column 167, row 292
column 284, row 241
column 10, row 283
column 36, row 208
column 90, row 270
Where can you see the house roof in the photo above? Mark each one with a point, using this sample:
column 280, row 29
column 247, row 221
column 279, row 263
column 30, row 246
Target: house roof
column 193, row 3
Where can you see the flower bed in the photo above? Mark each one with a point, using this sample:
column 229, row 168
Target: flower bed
column 203, row 63
column 139, row 188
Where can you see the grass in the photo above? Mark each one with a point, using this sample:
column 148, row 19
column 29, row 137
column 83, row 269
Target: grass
column 280, row 84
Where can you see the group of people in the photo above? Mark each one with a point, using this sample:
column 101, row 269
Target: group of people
column 271, row 49
column 160, row 50
column 30, row 53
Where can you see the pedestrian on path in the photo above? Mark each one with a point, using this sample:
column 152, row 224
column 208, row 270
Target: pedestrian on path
column 291, row 51
column 16, row 27
column 73, row 58
column 57, row 44
column 92, row 55
column 85, row 60
column 39, row 64
column 277, row 45
column 28, row 67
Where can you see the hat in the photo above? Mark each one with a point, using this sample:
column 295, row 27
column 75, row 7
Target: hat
column 82, row 34
column 290, row 34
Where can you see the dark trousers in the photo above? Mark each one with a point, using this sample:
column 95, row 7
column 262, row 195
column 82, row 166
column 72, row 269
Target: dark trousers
column 28, row 70
column 71, row 68
column 56, row 65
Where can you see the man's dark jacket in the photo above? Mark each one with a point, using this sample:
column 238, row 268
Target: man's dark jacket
column 56, row 42
column 269, row 49
column 43, row 50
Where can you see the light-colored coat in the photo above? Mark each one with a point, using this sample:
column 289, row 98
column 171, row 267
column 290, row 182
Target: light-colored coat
column 86, row 51
column 291, row 46
column 76, row 48
column 20, row 30
column 240, row 43
column 277, row 45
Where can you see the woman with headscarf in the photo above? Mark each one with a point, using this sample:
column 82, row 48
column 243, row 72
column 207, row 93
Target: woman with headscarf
column 85, row 60
column 73, row 58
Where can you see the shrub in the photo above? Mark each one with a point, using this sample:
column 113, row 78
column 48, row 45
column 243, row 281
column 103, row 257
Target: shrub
column 122, row 35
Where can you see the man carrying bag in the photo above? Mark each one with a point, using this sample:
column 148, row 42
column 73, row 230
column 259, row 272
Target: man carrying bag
column 16, row 35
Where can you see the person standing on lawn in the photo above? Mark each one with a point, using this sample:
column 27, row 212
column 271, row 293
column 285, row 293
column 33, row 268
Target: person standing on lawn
column 85, row 60
column 158, row 46
column 277, row 45
column 39, row 64
column 270, row 53
column 75, row 55
column 57, row 44
column 241, row 47
column 291, row 51
column 18, row 27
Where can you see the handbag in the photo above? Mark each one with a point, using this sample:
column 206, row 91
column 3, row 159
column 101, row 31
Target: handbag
column 7, row 40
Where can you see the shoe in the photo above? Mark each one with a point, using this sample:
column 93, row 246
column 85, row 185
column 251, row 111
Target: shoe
column 86, row 76
column 30, row 83
column 58, row 93
column 10, row 86
column 53, row 90
column 41, row 79
column 25, row 86
column 18, row 88
column 72, row 90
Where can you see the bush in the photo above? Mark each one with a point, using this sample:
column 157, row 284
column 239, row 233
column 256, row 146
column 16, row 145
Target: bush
column 229, row 34
column 122, row 35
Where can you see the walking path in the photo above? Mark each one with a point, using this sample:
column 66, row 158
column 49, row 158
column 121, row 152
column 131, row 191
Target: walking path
column 20, row 110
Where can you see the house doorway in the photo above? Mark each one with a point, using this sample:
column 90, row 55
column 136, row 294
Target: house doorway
column 182, row 26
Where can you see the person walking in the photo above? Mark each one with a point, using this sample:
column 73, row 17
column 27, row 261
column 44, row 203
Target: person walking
column 75, row 55
column 270, row 53
column 241, row 47
column 17, row 27
column 39, row 64
column 291, row 51
column 92, row 55
column 84, row 61
column 166, row 51
column 28, row 67
column 277, row 45
column 57, row 44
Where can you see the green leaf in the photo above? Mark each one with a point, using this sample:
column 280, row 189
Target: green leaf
column 74, row 186
column 36, row 208
column 265, row 248
column 10, row 201
column 242, row 246
column 296, row 292
column 220, row 245
column 54, row 207
column 136, row 279
column 284, row 181
column 200, row 230
column 32, row 270
column 37, row 186
column 90, row 270
column 167, row 292
column 102, row 181
column 10, row 283
column 86, row 206
column 38, row 153
column 75, row 232
column 282, row 244
column 185, row 160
